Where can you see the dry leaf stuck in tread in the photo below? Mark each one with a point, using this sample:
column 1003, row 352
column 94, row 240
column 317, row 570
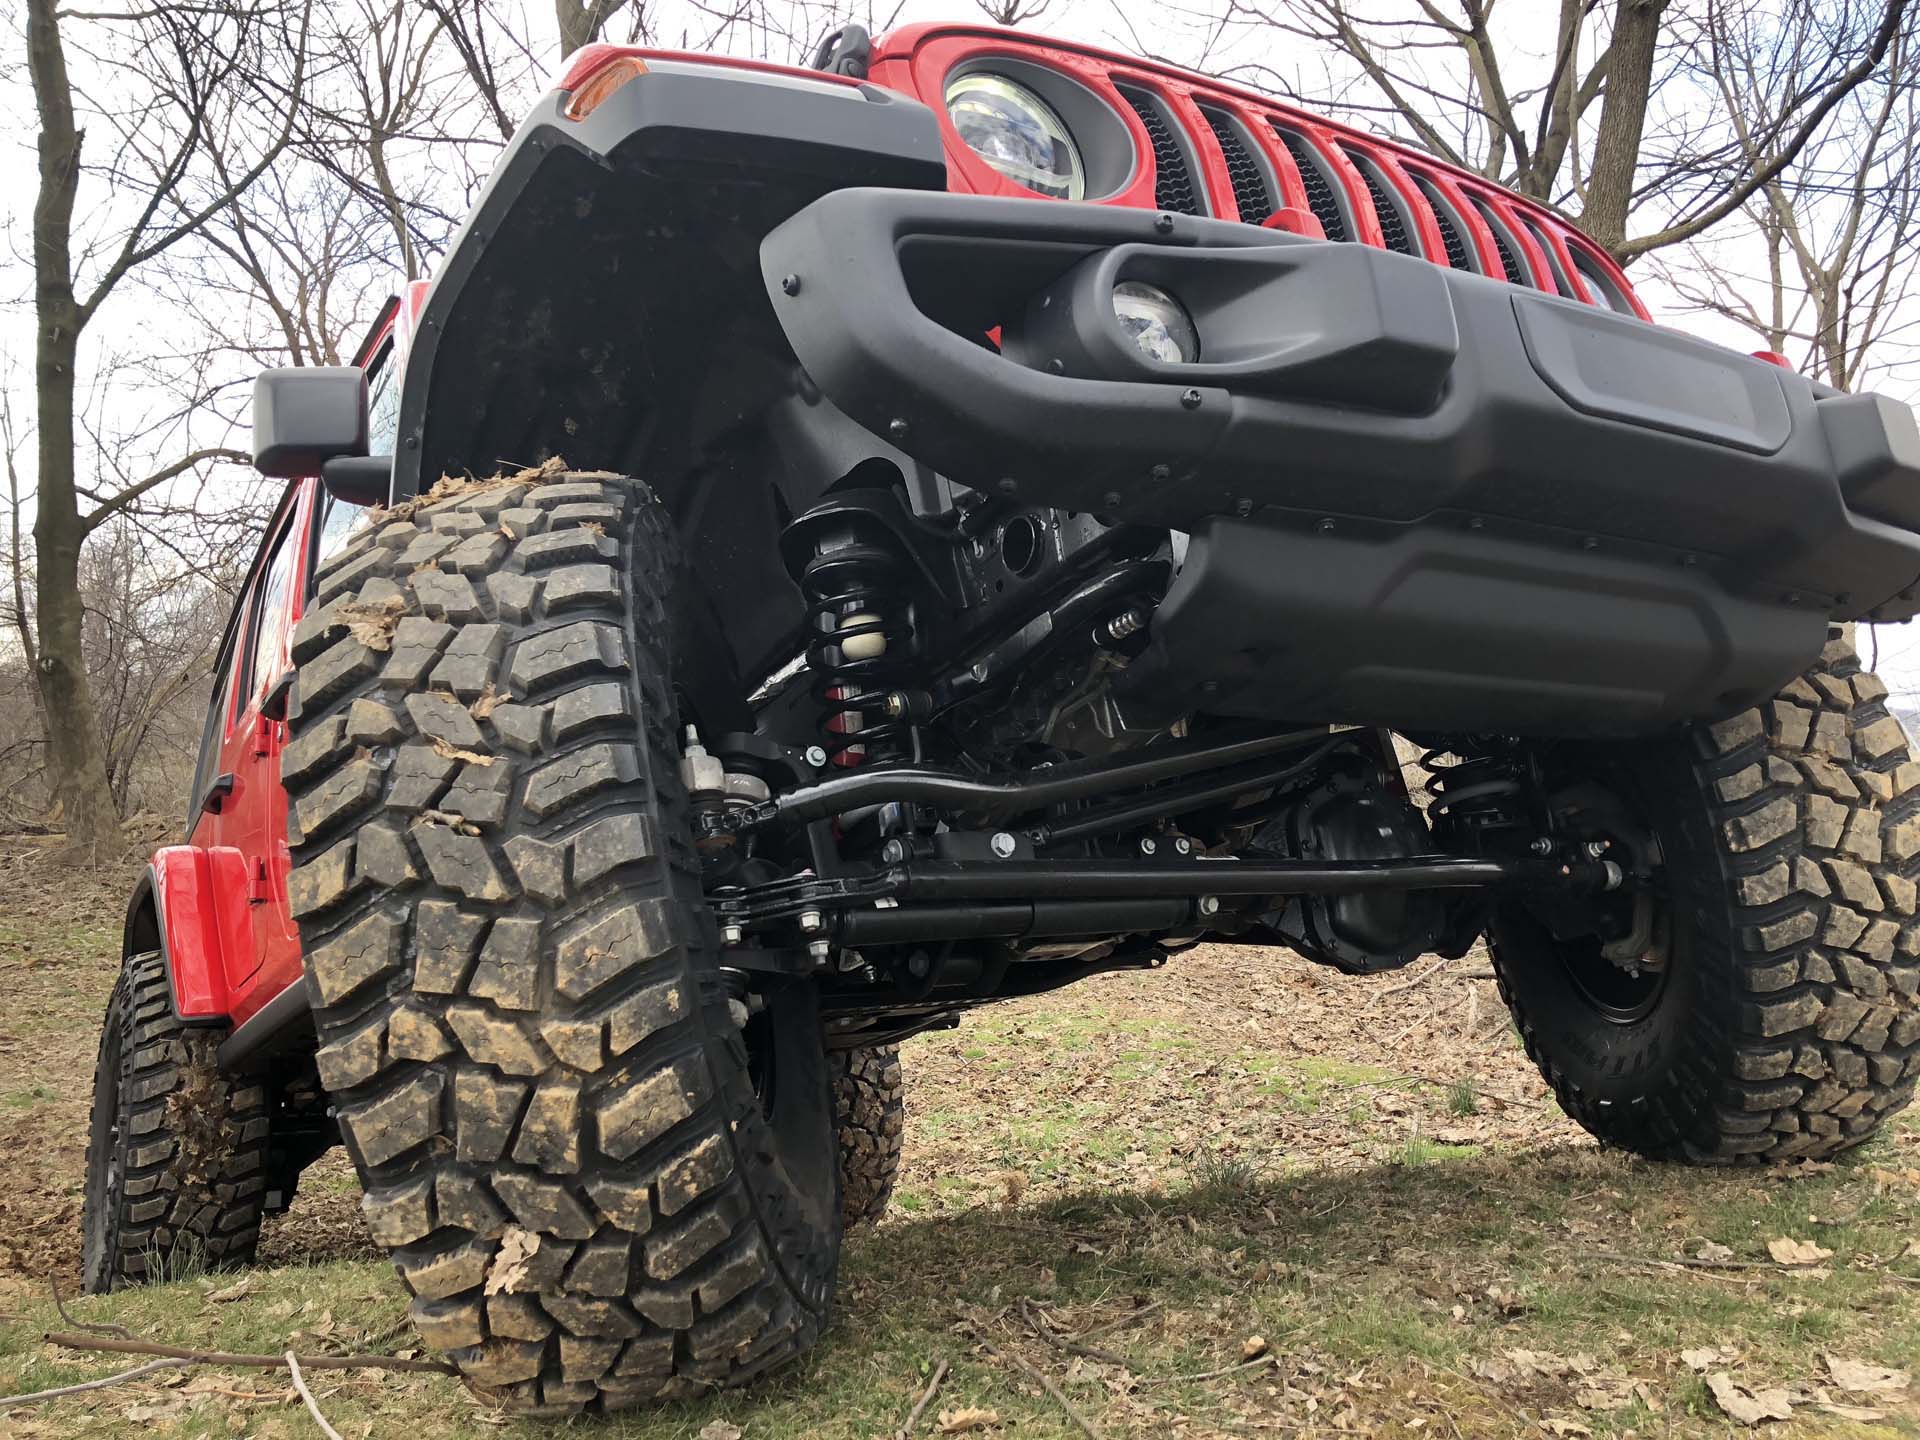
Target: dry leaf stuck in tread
column 1749, row 1407
column 1864, row 1379
column 448, row 751
column 970, row 1417
column 1787, row 1251
column 509, row 1266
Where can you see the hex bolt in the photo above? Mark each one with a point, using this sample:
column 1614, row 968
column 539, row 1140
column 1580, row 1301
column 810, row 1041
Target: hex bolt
column 1243, row 508
column 1183, row 845
column 1160, row 472
column 816, row 757
column 790, row 284
column 894, row 851
column 1147, row 845
column 811, row 922
column 1163, row 222
column 1190, row 398
column 897, row 430
column 1209, row 904
column 1003, row 844
column 820, row 950
column 1598, row 848
column 1542, row 846
column 731, row 935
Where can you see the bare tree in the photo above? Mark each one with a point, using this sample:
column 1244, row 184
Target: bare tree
column 1829, row 265
column 176, row 76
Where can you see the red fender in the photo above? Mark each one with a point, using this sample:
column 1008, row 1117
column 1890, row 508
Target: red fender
column 199, row 898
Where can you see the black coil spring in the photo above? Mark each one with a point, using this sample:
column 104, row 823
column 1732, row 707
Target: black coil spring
column 1462, row 786
column 858, row 580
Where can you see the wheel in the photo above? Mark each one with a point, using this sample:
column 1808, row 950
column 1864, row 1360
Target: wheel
column 595, row 1192
column 1777, row 1017
column 870, row 1112
column 176, row 1152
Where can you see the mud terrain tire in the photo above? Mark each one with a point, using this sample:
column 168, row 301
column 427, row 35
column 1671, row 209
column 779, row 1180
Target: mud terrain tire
column 550, row 1106
column 869, row 1113
column 1787, row 1025
column 176, row 1153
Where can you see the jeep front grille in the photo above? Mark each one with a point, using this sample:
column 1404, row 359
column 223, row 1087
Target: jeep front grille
column 1250, row 195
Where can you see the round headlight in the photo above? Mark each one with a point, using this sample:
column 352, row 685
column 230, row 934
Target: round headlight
column 1158, row 323
column 1018, row 134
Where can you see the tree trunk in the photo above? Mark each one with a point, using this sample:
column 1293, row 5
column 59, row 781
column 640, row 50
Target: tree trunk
column 1623, row 118
column 76, row 755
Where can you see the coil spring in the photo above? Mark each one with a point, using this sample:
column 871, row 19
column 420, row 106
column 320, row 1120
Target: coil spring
column 856, row 602
column 1467, row 787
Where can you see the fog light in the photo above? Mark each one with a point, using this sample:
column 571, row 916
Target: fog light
column 1157, row 323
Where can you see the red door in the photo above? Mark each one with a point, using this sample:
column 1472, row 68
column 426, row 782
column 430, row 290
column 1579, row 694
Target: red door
column 253, row 819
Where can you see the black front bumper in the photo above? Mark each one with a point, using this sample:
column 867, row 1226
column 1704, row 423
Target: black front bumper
column 1416, row 496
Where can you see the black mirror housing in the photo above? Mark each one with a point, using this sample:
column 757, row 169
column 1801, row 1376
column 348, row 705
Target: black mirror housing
column 306, row 415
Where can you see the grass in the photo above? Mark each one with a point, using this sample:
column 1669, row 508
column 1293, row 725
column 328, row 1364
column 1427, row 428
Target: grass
column 1183, row 1169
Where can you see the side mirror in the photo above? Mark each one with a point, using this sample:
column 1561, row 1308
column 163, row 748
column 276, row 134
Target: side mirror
column 306, row 415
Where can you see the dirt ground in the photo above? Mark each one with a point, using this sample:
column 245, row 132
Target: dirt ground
column 1242, row 1195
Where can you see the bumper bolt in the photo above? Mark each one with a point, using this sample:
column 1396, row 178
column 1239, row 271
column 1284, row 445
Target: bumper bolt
column 816, row 757
column 1183, row 846
column 1003, row 844
column 1163, row 222
column 1209, row 904
column 790, row 284
column 1190, row 398
column 897, row 429
column 894, row 851
column 1148, row 846
column 1542, row 846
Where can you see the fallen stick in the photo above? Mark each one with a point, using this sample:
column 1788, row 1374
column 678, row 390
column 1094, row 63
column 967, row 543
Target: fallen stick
column 920, row 1405
column 1086, row 1426
column 244, row 1362
column 1132, row 1317
column 104, row 1383
column 313, row 1405
column 60, row 1304
column 1037, row 1323
column 1252, row 1364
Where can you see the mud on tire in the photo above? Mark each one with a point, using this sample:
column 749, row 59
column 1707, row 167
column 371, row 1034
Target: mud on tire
column 1788, row 1025
column 869, row 1115
column 176, row 1152
column 537, row 1075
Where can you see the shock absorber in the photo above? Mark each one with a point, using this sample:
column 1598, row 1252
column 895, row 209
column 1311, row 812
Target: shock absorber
column 860, row 644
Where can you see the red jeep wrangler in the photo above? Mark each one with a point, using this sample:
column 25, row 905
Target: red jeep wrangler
column 1012, row 497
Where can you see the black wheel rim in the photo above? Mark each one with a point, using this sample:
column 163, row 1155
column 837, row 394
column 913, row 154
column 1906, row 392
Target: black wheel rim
column 1618, row 995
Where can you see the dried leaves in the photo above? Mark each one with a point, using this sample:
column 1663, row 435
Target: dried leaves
column 372, row 622
column 1787, row 1251
column 509, row 1267
column 1747, row 1406
column 969, row 1417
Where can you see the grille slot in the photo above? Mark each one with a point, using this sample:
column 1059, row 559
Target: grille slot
column 1250, row 192
column 1393, row 229
column 1172, row 178
column 1508, row 260
column 1320, row 194
column 1449, row 232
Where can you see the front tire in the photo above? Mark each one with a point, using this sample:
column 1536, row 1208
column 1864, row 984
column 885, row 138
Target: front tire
column 552, row 1110
column 1784, row 1023
column 176, row 1151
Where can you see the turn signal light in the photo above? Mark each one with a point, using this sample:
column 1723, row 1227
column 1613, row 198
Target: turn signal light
column 594, row 91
